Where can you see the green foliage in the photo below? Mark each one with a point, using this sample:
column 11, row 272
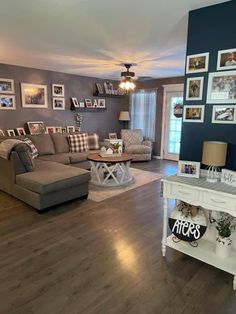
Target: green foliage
column 115, row 146
column 225, row 225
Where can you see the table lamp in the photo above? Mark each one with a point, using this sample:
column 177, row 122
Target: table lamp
column 213, row 156
column 124, row 116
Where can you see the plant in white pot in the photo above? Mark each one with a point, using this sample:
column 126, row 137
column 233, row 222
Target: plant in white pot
column 225, row 225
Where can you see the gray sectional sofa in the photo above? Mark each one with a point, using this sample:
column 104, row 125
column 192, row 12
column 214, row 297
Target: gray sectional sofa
column 58, row 175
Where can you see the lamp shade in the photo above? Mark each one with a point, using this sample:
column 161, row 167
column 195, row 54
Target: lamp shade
column 214, row 153
column 124, row 116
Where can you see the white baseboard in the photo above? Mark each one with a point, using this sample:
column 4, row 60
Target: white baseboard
column 157, row 157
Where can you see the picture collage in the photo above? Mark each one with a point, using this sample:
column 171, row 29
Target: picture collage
column 221, row 88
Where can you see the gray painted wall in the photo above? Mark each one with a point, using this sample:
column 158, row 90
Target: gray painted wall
column 75, row 86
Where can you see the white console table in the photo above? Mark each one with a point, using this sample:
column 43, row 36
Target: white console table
column 212, row 196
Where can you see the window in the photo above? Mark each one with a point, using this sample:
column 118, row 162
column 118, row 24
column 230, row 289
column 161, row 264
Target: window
column 143, row 113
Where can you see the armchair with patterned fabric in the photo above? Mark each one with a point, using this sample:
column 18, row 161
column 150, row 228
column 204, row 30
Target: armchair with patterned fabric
column 135, row 146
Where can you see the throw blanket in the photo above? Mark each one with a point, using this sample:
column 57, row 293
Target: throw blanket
column 7, row 146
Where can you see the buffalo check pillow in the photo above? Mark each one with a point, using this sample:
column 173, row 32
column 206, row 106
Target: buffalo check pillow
column 78, row 142
column 34, row 151
column 93, row 141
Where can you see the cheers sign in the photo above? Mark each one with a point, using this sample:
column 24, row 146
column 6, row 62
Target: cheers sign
column 186, row 229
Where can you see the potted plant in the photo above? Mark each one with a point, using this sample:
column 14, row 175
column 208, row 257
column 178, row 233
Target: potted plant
column 115, row 147
column 225, row 225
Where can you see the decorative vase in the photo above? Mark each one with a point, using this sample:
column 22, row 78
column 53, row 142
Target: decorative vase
column 223, row 246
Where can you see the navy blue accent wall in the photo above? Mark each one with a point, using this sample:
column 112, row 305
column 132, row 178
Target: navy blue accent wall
column 210, row 29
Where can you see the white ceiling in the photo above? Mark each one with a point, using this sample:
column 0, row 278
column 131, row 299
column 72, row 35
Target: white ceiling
column 91, row 37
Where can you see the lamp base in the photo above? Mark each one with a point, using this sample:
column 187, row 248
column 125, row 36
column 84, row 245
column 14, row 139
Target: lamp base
column 212, row 174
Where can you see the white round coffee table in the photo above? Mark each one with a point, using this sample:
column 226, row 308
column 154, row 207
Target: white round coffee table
column 110, row 171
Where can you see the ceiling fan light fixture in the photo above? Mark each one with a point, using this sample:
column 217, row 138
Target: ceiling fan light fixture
column 127, row 78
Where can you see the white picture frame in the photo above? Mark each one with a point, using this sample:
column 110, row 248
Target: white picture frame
column 101, row 103
column 81, row 104
column 70, row 129
column 194, row 88
column 112, row 136
column 88, row 103
column 20, row 131
column 36, row 127
column 194, row 113
column 7, row 86
column 189, row 168
column 75, row 102
column 58, row 90
column 50, row 129
column 224, row 114
column 11, row 132
column 228, row 177
column 221, row 89
column 34, row 96
column 7, row 102
column 2, row 133
column 58, row 129
column 58, row 103
column 226, row 59
column 197, row 63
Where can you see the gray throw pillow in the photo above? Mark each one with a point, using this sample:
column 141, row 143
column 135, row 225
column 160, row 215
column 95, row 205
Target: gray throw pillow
column 43, row 143
column 24, row 153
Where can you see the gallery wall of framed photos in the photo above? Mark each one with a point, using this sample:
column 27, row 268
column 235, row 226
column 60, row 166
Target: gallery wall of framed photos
column 28, row 94
column 210, row 82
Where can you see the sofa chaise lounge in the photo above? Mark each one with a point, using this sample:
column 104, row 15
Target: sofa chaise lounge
column 58, row 175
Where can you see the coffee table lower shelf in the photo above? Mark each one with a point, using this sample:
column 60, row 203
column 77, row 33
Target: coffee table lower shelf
column 205, row 251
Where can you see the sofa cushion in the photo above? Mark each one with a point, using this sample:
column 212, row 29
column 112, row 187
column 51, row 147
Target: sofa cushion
column 61, row 158
column 138, row 149
column 25, row 156
column 78, row 142
column 51, row 176
column 33, row 149
column 93, row 141
column 43, row 143
column 61, row 143
column 78, row 157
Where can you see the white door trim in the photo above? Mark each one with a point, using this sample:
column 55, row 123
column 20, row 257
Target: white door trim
column 167, row 88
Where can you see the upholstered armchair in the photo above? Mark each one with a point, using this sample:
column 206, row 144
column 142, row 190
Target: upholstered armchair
column 135, row 146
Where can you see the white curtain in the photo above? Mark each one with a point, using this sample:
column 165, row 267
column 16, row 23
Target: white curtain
column 143, row 112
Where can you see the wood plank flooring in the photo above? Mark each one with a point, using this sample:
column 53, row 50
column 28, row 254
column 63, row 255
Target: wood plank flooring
column 87, row 257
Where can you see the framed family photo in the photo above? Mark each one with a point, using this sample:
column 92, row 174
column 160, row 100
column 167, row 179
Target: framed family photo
column 2, row 133
column 101, row 103
column 58, row 103
column 221, row 87
column 58, row 90
column 50, row 129
column 34, row 96
column 112, row 136
column 193, row 113
column 189, row 169
column 7, row 86
column 226, row 59
column 225, row 114
column 11, row 132
column 7, row 102
column 70, row 129
column 88, row 103
column 36, row 127
column 197, row 63
column 194, row 88
column 20, row 131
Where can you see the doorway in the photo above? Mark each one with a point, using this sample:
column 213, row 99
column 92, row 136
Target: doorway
column 172, row 125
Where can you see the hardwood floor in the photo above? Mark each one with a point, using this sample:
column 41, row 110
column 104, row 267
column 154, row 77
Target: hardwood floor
column 87, row 257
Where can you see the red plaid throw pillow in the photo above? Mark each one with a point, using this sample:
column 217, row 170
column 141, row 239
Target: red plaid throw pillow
column 78, row 142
